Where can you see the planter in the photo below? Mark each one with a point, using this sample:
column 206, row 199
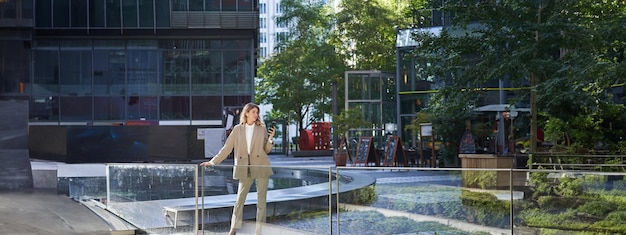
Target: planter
column 341, row 158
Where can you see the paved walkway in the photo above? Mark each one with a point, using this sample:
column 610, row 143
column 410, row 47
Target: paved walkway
column 43, row 211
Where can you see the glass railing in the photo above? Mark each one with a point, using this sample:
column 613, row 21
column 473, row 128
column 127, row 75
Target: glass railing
column 188, row 199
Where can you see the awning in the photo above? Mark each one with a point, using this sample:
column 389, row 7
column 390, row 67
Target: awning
column 501, row 108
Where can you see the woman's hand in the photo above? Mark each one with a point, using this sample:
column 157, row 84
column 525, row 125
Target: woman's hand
column 272, row 131
column 207, row 164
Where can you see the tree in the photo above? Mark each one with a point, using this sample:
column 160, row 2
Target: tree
column 365, row 34
column 564, row 53
column 297, row 81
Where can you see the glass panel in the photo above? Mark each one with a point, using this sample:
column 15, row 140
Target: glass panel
column 114, row 18
column 44, row 108
column 135, row 188
column 109, row 108
column 46, row 68
column 142, row 75
column 196, row 5
column 175, row 72
column 76, row 109
column 130, row 13
column 237, row 101
column 174, row 108
column 364, row 86
column 146, row 13
column 27, row 9
column 109, row 69
column 109, row 44
column 96, row 13
column 76, row 73
column 562, row 202
column 179, row 5
column 142, row 108
column 245, row 5
column 15, row 72
column 8, row 10
column 206, row 73
column 79, row 13
column 237, row 73
column 61, row 13
column 206, row 108
column 44, row 14
column 212, row 5
column 438, row 197
column 229, row 5
column 163, row 13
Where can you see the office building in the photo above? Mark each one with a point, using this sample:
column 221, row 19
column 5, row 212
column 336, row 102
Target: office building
column 124, row 80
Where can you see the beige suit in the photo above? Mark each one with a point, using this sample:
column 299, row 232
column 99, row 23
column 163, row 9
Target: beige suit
column 248, row 167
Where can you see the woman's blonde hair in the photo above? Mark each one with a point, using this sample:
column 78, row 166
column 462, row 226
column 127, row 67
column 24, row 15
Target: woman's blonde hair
column 246, row 109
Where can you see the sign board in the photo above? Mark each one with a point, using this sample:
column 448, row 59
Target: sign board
column 365, row 152
column 213, row 140
column 394, row 154
column 426, row 129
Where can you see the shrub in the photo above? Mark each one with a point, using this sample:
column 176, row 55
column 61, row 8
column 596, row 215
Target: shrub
column 597, row 208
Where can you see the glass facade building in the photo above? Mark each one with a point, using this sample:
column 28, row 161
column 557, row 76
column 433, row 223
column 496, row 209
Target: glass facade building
column 112, row 65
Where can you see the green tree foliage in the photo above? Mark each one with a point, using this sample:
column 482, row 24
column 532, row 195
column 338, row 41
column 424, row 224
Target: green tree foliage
column 365, row 34
column 297, row 81
column 570, row 52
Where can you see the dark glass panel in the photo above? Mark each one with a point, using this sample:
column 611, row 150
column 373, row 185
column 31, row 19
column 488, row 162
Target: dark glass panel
column 130, row 13
column 230, row 44
column 43, row 11
column 237, row 72
column 175, row 72
column 109, row 44
column 142, row 44
column 237, row 101
column 196, row 5
column 97, row 9
column 74, row 109
column 109, row 108
column 46, row 73
column 205, row 75
column 142, row 107
column 142, row 74
column 75, row 73
column 14, row 68
column 206, row 107
column 229, row 5
column 113, row 18
column 27, row 9
column 8, row 9
column 162, row 15
column 79, row 13
column 245, row 5
column 179, row 5
column 61, row 13
column 108, row 72
column 212, row 5
column 75, row 44
column 43, row 108
column 174, row 108
column 146, row 13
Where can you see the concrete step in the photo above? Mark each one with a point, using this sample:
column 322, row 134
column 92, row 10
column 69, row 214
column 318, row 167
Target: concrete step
column 15, row 170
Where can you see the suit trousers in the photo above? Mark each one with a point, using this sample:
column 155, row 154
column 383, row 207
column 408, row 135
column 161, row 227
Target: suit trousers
column 244, row 187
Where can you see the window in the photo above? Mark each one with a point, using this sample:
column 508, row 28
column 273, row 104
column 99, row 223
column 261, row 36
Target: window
column 262, row 23
column 263, row 38
column 262, row 9
column 263, row 52
column 279, row 8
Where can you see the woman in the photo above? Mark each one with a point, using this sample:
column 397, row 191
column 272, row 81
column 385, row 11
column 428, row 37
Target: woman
column 251, row 144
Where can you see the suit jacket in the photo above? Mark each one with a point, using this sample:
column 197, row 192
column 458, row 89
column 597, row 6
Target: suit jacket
column 257, row 161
